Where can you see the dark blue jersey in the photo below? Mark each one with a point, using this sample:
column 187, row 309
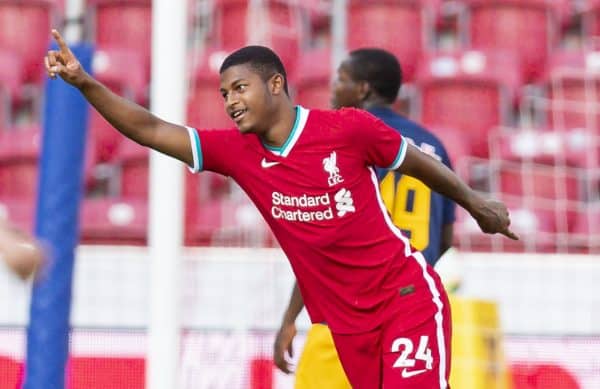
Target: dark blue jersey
column 418, row 211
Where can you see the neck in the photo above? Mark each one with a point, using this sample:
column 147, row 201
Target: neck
column 375, row 102
column 281, row 127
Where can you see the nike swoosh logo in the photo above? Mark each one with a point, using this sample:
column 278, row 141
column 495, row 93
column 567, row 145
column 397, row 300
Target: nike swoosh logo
column 267, row 165
column 408, row 374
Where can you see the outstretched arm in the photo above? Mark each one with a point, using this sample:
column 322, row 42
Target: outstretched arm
column 132, row 120
column 287, row 331
column 492, row 216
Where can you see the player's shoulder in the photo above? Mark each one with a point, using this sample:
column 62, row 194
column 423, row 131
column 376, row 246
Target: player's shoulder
column 341, row 114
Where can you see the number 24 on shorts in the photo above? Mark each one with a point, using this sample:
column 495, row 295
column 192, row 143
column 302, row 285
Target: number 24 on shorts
column 406, row 360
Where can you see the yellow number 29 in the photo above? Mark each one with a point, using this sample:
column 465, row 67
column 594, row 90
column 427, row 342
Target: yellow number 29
column 409, row 204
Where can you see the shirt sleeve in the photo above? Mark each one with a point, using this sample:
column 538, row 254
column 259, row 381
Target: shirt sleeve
column 382, row 145
column 212, row 150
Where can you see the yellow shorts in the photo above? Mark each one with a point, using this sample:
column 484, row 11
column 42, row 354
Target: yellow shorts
column 319, row 366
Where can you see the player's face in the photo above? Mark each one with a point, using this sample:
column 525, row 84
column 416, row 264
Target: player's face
column 246, row 97
column 345, row 91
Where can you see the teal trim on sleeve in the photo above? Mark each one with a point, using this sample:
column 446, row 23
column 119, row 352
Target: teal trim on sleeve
column 401, row 155
column 199, row 151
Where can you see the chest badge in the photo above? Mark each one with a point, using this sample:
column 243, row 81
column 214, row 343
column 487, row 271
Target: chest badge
column 330, row 166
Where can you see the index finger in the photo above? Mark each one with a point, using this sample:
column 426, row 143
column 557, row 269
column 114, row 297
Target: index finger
column 510, row 234
column 61, row 42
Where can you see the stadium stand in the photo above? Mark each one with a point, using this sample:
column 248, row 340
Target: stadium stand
column 573, row 89
column 205, row 104
column 19, row 151
column 591, row 20
column 408, row 19
column 468, row 97
column 114, row 220
column 124, row 24
column 471, row 91
column 24, row 27
column 273, row 23
column 527, row 27
column 313, row 79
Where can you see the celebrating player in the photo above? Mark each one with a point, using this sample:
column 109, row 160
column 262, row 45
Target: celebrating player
column 311, row 175
column 370, row 79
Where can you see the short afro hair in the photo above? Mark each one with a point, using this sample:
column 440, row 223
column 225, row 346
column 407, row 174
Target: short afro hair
column 262, row 59
column 379, row 68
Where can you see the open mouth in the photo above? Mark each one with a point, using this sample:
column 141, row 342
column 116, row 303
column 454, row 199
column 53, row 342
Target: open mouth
column 238, row 114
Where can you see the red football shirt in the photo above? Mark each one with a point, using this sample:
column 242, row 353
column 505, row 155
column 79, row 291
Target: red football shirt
column 320, row 196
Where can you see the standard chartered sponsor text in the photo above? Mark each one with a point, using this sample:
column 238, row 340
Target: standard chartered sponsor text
column 322, row 202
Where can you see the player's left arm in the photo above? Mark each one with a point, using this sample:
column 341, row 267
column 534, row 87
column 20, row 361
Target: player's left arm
column 491, row 215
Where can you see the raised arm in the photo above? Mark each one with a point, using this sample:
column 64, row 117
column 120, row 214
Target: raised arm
column 491, row 215
column 132, row 120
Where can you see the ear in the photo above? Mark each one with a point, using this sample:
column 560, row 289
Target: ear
column 364, row 90
column 276, row 84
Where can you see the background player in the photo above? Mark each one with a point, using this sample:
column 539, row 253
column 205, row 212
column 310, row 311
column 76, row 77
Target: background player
column 370, row 78
column 310, row 175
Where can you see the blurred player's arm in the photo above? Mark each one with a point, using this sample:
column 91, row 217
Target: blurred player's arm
column 491, row 215
column 132, row 120
column 287, row 331
column 22, row 254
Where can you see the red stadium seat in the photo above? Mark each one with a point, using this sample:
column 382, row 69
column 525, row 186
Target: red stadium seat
column 398, row 26
column 104, row 138
column 20, row 211
column 19, row 152
column 313, row 75
column 205, row 106
column 273, row 23
column 452, row 140
column 576, row 148
column 588, row 221
column 134, row 170
column 125, row 24
column 591, row 20
column 526, row 27
column 122, row 70
column 586, row 232
column 125, row 73
column 227, row 222
column 539, row 181
column 12, row 77
column 534, row 222
column 573, row 88
column 114, row 221
column 24, row 30
column 472, row 91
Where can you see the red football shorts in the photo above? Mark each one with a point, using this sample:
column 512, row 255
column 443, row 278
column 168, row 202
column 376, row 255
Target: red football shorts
column 401, row 356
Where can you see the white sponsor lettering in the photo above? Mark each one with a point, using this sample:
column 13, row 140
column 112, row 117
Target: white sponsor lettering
column 302, row 216
column 303, row 201
column 307, row 208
